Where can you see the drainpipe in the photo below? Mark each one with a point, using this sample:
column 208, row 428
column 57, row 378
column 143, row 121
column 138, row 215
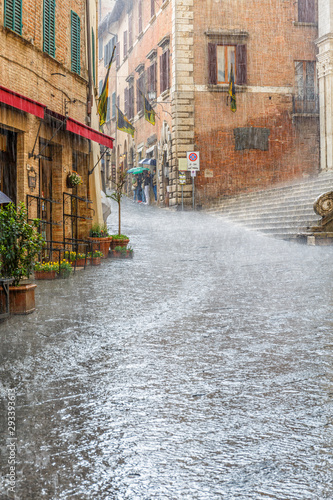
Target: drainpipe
column 90, row 73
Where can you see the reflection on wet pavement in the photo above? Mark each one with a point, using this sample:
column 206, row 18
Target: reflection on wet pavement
column 201, row 369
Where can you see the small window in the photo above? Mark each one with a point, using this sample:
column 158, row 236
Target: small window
column 130, row 29
column 49, row 27
column 100, row 87
column 108, row 110
column 165, row 71
column 305, row 80
column 152, row 8
column 13, row 15
column 100, row 48
column 140, row 15
column 131, row 102
column 118, row 54
column 75, row 42
column 306, row 11
column 113, row 105
column 221, row 58
column 140, row 89
column 125, row 43
column 226, row 57
column 152, row 87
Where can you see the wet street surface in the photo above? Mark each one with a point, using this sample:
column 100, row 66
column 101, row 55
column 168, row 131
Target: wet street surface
column 201, row 369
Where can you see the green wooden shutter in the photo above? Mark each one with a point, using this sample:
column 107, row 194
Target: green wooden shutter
column 93, row 54
column 49, row 27
column 75, row 42
column 13, row 15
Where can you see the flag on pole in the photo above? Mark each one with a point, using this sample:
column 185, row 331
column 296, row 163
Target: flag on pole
column 232, row 91
column 149, row 112
column 103, row 98
column 124, row 124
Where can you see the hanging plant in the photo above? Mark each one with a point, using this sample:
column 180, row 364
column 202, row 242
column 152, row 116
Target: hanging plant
column 73, row 179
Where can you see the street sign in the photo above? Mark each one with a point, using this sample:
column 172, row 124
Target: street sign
column 193, row 173
column 193, row 160
column 182, row 178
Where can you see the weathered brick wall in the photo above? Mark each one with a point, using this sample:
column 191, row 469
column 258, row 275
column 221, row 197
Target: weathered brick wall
column 275, row 40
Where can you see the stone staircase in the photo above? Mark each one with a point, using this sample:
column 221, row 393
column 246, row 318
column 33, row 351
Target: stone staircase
column 284, row 212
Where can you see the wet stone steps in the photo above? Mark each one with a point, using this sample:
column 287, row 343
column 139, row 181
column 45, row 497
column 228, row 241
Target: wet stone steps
column 282, row 212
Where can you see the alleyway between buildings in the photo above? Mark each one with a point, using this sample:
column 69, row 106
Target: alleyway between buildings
column 200, row 370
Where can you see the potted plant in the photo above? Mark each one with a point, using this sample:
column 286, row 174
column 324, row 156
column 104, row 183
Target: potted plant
column 100, row 238
column 46, row 270
column 65, row 269
column 95, row 257
column 20, row 243
column 76, row 259
column 73, row 179
column 122, row 253
column 119, row 239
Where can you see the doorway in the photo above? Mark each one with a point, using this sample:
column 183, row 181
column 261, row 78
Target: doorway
column 8, row 169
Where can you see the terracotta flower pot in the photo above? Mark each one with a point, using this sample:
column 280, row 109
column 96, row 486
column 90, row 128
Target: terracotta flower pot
column 119, row 243
column 79, row 262
column 102, row 244
column 95, row 261
column 21, row 298
column 45, row 275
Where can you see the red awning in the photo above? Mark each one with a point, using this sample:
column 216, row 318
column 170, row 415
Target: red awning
column 21, row 102
column 83, row 130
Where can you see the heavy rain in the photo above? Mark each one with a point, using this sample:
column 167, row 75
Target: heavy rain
column 201, row 369
column 176, row 341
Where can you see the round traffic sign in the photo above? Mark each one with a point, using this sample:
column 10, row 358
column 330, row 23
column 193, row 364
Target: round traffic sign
column 193, row 157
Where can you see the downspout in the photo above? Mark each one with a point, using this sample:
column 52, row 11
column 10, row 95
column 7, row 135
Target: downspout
column 90, row 72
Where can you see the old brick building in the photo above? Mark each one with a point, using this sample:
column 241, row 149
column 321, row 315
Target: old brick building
column 48, row 117
column 180, row 54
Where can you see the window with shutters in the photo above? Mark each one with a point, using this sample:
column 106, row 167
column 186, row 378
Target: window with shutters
column 49, row 27
column 100, row 48
column 108, row 110
column 152, row 82
column 75, row 43
column 140, row 89
column 305, row 99
column 140, row 15
column 165, row 71
column 152, row 8
column 118, row 54
column 113, row 106
column 108, row 50
column 125, row 44
column 306, row 11
column 93, row 55
column 131, row 102
column 100, row 87
column 13, row 15
column 130, row 29
column 221, row 58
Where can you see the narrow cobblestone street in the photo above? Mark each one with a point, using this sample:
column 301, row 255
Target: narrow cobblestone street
column 199, row 370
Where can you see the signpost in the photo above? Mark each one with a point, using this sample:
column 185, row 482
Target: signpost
column 182, row 181
column 193, row 164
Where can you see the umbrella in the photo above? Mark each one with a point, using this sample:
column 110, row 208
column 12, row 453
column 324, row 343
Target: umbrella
column 4, row 198
column 137, row 170
column 148, row 161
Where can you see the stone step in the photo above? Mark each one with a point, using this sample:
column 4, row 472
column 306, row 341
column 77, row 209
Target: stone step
column 281, row 211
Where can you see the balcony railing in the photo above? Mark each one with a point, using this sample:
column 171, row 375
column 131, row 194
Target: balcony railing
column 306, row 105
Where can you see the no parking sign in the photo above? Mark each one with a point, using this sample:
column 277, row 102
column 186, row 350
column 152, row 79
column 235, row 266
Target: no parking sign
column 193, row 160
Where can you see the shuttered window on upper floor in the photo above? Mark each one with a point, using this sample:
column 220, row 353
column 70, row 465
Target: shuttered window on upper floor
column 49, row 27
column 93, row 54
column 306, row 11
column 75, row 42
column 221, row 58
column 13, row 15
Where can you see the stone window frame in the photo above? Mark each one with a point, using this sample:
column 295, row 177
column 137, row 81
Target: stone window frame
column 228, row 38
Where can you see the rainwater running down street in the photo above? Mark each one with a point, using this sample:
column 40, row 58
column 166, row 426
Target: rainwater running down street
column 200, row 370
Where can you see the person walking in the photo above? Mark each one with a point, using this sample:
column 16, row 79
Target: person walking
column 135, row 188
column 147, row 181
column 154, row 184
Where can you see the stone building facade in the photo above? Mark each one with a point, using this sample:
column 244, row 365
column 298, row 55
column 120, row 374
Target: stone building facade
column 180, row 54
column 48, row 114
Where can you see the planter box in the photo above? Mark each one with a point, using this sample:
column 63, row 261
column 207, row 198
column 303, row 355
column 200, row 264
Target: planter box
column 21, row 299
column 118, row 243
column 102, row 244
column 95, row 261
column 45, row 275
column 121, row 255
column 79, row 262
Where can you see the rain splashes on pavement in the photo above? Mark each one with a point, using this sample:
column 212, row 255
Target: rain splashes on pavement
column 201, row 369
